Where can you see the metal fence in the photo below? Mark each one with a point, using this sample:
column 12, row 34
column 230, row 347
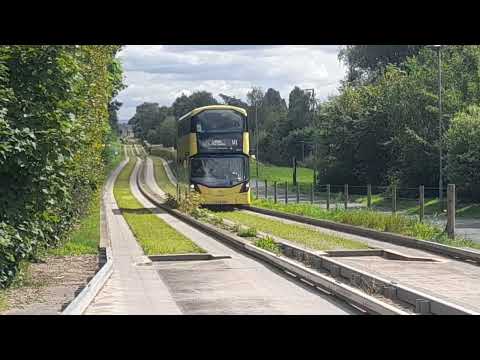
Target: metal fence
column 332, row 196
column 409, row 201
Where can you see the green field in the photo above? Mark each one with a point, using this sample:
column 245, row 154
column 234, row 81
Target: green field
column 279, row 173
column 153, row 234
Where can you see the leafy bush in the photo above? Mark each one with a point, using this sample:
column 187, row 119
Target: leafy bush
column 54, row 127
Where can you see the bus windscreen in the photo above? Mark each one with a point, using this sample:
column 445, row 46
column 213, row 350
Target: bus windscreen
column 219, row 171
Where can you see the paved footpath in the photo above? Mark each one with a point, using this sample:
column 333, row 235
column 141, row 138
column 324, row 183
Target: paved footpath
column 132, row 289
column 239, row 285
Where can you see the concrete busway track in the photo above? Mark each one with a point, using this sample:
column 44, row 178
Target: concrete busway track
column 449, row 284
column 237, row 285
column 132, row 288
column 448, row 280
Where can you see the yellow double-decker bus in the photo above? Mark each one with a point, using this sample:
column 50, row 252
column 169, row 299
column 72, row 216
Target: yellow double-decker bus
column 213, row 154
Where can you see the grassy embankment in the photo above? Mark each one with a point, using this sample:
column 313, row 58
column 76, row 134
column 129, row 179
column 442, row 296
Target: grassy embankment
column 397, row 224
column 153, row 234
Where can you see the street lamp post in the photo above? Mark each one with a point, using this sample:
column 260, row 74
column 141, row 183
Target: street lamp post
column 440, row 127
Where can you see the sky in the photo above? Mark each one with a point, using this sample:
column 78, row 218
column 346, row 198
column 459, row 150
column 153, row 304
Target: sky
column 160, row 73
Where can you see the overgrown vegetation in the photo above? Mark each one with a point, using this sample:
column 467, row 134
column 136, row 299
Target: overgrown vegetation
column 55, row 125
column 153, row 234
column 373, row 220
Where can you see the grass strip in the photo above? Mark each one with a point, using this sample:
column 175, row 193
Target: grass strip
column 154, row 235
column 295, row 233
column 396, row 224
column 279, row 173
column 161, row 177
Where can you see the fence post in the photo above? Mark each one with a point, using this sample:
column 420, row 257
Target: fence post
column 369, row 196
column 394, row 199
column 451, row 210
column 298, row 192
column 178, row 192
column 311, row 193
column 266, row 190
column 328, row 196
column 256, row 188
column 275, row 192
column 346, row 196
column 422, row 202
column 286, row 192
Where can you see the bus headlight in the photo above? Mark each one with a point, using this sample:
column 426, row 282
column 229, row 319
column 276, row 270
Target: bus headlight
column 194, row 187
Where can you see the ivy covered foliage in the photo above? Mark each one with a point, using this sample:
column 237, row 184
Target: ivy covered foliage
column 54, row 131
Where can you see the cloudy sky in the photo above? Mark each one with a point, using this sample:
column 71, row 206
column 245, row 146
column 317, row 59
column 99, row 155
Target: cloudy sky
column 160, row 73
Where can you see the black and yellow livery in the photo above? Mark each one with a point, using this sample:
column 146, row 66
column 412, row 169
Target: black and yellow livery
column 213, row 154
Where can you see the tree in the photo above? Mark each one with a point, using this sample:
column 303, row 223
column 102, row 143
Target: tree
column 463, row 145
column 184, row 104
column 167, row 132
column 365, row 62
column 299, row 114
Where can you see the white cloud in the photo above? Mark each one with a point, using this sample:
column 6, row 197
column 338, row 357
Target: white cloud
column 160, row 73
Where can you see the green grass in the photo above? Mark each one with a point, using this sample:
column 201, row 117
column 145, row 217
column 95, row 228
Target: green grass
column 268, row 244
column 85, row 238
column 161, row 177
column 411, row 207
column 279, row 173
column 295, row 233
column 397, row 224
column 154, row 235
column 248, row 232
